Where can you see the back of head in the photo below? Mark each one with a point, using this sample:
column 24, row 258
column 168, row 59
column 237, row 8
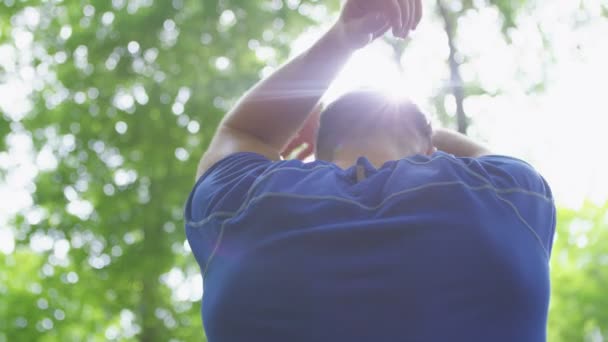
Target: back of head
column 367, row 121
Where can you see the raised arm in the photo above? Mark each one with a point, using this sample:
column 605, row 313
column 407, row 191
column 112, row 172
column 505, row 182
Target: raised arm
column 457, row 144
column 271, row 112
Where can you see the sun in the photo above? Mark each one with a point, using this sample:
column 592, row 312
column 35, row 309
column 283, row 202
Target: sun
column 371, row 68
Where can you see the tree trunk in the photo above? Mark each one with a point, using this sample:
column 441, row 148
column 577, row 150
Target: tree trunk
column 456, row 85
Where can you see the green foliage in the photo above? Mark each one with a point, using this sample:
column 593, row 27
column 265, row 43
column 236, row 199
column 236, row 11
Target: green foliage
column 507, row 8
column 134, row 92
column 579, row 276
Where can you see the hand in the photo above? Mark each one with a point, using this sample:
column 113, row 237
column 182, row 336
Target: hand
column 362, row 21
column 306, row 135
column 457, row 144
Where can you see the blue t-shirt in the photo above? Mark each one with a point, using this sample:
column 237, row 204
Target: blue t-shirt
column 427, row 248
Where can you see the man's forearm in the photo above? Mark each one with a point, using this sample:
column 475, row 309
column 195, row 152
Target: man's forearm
column 275, row 108
column 457, row 144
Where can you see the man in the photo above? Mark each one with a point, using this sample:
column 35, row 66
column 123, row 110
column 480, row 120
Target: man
column 394, row 233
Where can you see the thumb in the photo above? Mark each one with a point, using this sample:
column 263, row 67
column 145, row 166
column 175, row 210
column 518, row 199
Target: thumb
column 365, row 27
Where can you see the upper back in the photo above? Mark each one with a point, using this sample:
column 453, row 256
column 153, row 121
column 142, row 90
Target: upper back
column 420, row 240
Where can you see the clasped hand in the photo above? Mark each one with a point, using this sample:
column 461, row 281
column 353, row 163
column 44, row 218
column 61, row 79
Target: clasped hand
column 362, row 21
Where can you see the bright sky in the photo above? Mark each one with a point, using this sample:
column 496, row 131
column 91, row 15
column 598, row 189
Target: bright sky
column 560, row 130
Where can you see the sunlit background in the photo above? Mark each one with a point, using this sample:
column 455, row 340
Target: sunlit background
column 560, row 129
column 535, row 90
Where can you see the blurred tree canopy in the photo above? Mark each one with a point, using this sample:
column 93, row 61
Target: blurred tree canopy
column 579, row 276
column 125, row 97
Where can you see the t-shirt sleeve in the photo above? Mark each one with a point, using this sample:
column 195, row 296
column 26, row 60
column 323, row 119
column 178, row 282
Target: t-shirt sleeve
column 223, row 188
column 509, row 171
column 519, row 185
column 216, row 197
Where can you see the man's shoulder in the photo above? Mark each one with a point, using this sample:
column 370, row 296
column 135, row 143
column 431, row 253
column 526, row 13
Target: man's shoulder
column 500, row 171
column 237, row 178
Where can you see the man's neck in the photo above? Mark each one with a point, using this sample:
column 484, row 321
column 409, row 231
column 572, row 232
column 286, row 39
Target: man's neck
column 346, row 159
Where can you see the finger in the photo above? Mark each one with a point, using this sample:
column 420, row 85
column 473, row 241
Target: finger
column 418, row 13
column 410, row 14
column 371, row 23
column 393, row 11
column 382, row 31
column 413, row 15
column 364, row 29
column 406, row 15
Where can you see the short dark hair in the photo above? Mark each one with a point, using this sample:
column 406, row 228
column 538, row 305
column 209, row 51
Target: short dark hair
column 365, row 113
